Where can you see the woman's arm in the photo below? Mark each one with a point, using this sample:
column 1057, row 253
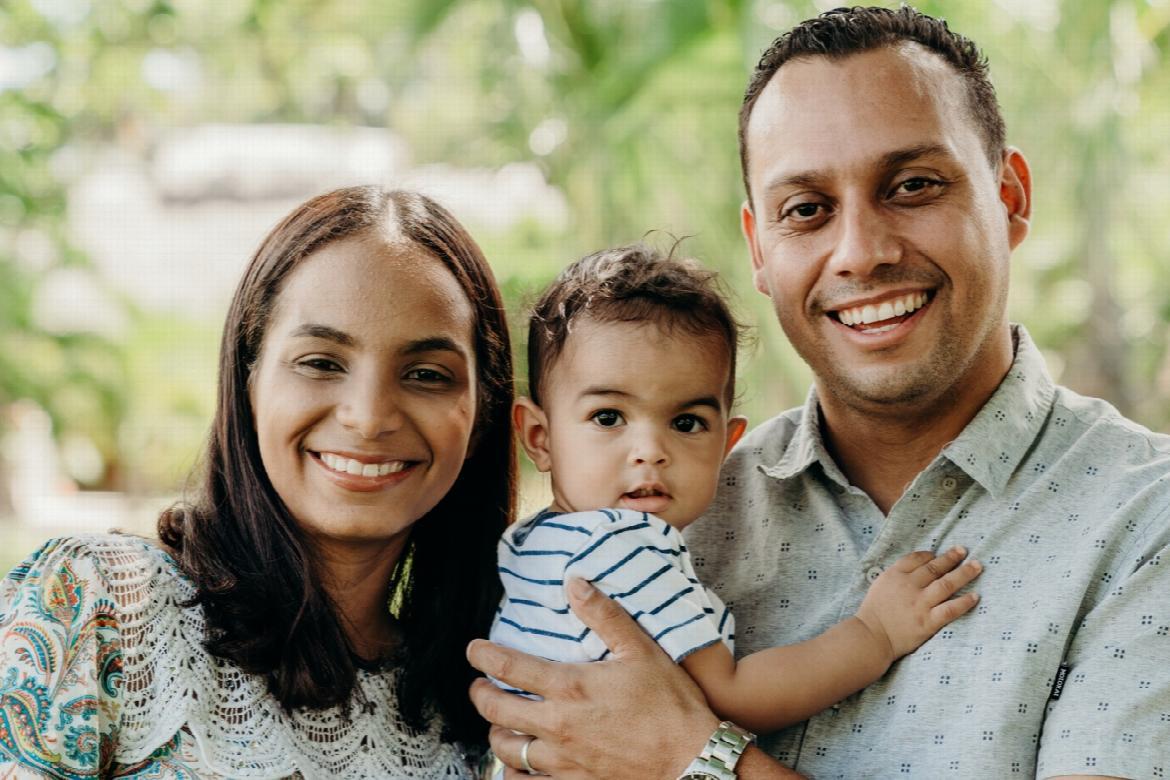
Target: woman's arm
column 61, row 659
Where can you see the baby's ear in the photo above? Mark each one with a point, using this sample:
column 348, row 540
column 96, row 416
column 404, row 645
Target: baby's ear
column 531, row 426
column 736, row 427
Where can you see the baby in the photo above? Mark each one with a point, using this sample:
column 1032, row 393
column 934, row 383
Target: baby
column 631, row 365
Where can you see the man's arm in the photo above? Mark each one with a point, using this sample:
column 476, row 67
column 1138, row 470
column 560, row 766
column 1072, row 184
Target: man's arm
column 635, row 715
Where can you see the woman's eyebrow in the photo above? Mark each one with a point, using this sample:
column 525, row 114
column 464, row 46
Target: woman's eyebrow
column 434, row 344
column 316, row 331
column 413, row 347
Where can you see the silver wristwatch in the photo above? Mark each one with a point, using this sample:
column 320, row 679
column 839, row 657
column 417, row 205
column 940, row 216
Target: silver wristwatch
column 720, row 754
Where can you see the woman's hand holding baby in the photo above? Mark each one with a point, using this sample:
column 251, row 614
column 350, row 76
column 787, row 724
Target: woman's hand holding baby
column 911, row 600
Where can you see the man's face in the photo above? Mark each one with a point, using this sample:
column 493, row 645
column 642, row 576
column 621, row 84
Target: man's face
column 881, row 231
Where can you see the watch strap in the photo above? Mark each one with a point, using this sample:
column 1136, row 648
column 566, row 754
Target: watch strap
column 721, row 754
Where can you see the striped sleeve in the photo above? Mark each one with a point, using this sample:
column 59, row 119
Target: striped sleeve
column 642, row 563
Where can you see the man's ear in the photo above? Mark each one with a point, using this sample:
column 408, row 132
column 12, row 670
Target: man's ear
column 531, row 426
column 1015, row 191
column 747, row 223
column 736, row 427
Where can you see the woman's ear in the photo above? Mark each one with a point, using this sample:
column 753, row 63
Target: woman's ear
column 736, row 427
column 531, row 426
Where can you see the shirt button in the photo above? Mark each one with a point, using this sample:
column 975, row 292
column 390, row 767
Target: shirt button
column 873, row 573
column 949, row 483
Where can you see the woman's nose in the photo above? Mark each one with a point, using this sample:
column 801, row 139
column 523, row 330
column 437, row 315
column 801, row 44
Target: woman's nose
column 370, row 409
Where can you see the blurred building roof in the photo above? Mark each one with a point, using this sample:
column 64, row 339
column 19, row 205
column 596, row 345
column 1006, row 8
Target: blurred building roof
column 172, row 230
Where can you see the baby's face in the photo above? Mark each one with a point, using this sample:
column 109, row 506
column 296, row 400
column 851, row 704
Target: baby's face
column 637, row 418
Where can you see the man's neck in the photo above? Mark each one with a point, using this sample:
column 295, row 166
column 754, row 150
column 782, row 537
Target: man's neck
column 881, row 451
column 883, row 457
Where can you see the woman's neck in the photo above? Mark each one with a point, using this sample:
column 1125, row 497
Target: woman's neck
column 357, row 579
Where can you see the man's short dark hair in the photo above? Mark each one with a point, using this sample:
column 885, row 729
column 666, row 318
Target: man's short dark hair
column 636, row 283
column 844, row 31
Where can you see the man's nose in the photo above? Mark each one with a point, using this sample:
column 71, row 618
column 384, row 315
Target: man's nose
column 866, row 239
column 370, row 407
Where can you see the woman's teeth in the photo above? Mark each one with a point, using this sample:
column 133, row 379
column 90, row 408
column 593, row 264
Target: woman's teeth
column 886, row 310
column 356, row 467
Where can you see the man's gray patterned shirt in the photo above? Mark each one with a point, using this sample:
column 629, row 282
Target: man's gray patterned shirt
column 1065, row 502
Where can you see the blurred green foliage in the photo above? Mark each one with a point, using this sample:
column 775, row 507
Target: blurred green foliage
column 628, row 107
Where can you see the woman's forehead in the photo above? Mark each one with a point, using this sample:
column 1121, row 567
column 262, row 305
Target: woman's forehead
column 370, row 284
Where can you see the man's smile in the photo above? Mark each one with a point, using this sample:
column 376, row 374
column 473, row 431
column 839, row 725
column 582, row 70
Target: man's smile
column 878, row 313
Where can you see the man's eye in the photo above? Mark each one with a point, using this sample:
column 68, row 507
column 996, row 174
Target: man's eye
column 689, row 423
column 607, row 418
column 916, row 185
column 807, row 212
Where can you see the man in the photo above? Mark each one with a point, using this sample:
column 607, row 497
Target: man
column 882, row 210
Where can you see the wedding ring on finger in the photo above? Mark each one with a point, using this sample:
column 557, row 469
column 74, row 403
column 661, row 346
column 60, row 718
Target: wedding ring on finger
column 527, row 767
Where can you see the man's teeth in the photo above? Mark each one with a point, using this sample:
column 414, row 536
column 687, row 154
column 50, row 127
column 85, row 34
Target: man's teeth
column 863, row 315
column 356, row 467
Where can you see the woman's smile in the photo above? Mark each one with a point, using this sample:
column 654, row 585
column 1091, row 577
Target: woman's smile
column 361, row 473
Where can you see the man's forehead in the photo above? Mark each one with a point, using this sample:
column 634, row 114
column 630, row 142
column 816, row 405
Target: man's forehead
column 885, row 98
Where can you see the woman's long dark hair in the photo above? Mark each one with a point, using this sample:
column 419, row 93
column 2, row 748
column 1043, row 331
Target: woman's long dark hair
column 256, row 575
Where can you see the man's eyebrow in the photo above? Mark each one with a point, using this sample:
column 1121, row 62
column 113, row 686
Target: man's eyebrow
column 314, row 331
column 803, row 179
column 900, row 157
column 813, row 178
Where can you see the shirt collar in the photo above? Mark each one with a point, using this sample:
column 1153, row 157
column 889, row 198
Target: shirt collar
column 806, row 447
column 988, row 450
column 992, row 445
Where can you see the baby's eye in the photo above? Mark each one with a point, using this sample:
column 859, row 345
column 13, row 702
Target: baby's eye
column 689, row 423
column 607, row 418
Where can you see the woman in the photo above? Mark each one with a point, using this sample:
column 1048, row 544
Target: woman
column 360, row 456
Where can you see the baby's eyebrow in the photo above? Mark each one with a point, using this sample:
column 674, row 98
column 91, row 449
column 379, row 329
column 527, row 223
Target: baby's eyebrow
column 609, row 392
column 707, row 400
column 606, row 391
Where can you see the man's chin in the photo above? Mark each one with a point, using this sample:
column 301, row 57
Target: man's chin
column 885, row 390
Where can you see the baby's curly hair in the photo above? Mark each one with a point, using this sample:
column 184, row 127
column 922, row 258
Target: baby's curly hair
column 635, row 283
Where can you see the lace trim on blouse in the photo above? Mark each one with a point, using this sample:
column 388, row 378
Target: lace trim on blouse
column 113, row 672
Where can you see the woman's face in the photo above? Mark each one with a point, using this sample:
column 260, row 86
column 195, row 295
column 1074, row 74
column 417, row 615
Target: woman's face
column 364, row 393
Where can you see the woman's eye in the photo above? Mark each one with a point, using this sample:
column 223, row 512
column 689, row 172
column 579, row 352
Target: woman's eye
column 320, row 365
column 689, row 423
column 607, row 418
column 427, row 376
